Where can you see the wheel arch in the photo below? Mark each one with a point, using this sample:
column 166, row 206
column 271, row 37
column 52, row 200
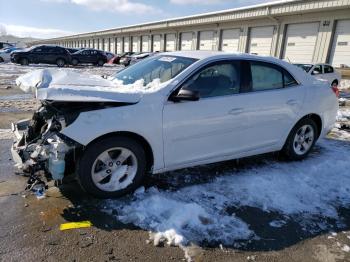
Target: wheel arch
column 335, row 81
column 140, row 139
column 316, row 118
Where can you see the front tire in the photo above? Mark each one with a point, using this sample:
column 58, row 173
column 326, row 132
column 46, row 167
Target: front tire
column 301, row 139
column 60, row 62
column 112, row 167
column 100, row 63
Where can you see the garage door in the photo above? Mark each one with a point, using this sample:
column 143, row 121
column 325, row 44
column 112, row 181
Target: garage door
column 300, row 42
column 186, row 41
column 261, row 40
column 207, row 40
column 145, row 43
column 126, row 44
column 170, row 40
column 118, row 45
column 106, row 45
column 340, row 54
column 230, row 40
column 156, row 43
column 135, row 44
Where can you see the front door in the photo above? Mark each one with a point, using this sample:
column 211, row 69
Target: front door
column 200, row 130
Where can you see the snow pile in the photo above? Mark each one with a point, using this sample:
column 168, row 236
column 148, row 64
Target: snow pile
column 344, row 84
column 302, row 191
column 64, row 85
column 343, row 114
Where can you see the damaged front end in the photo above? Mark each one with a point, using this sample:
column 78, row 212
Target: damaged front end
column 39, row 146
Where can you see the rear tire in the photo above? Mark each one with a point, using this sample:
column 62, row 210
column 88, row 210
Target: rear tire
column 301, row 139
column 60, row 62
column 75, row 62
column 112, row 167
column 335, row 83
column 24, row 62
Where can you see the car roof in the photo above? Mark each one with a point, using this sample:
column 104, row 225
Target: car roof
column 198, row 54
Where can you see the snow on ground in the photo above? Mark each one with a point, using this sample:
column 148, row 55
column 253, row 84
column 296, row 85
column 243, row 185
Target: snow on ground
column 300, row 191
column 6, row 134
column 344, row 84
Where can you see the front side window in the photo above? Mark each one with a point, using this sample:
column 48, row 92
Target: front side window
column 328, row 69
column 265, row 76
column 219, row 79
column 38, row 50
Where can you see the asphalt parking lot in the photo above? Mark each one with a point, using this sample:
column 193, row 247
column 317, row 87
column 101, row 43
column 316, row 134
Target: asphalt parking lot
column 256, row 209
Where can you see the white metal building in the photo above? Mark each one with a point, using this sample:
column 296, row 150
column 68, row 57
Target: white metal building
column 296, row 30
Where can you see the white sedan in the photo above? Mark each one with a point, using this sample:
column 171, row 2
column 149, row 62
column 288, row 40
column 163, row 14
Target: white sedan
column 322, row 72
column 5, row 54
column 167, row 112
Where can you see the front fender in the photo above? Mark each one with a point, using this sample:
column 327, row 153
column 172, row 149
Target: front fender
column 140, row 120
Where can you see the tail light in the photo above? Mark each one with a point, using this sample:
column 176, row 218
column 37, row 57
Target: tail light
column 335, row 90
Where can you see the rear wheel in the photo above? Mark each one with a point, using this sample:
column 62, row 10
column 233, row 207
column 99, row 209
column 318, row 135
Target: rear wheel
column 60, row 62
column 24, row 61
column 335, row 84
column 112, row 167
column 75, row 62
column 301, row 139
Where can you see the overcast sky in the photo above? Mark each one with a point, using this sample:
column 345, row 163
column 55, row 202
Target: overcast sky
column 51, row 18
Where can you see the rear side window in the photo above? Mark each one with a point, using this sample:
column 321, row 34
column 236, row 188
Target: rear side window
column 328, row 69
column 265, row 76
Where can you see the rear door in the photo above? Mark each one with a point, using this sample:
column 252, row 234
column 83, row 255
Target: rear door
column 36, row 55
column 272, row 100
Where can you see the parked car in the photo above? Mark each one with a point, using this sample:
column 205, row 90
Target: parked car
column 167, row 112
column 42, row 54
column 89, row 56
column 139, row 57
column 109, row 55
column 5, row 54
column 73, row 50
column 6, row 45
column 127, row 59
column 322, row 71
column 116, row 59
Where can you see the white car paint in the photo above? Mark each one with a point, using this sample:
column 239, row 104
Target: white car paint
column 323, row 75
column 5, row 55
column 212, row 129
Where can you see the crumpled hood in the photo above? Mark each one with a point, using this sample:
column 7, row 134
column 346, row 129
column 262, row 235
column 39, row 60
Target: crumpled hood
column 66, row 85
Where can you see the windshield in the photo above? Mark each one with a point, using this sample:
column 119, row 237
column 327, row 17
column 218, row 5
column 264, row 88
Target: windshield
column 305, row 67
column 161, row 67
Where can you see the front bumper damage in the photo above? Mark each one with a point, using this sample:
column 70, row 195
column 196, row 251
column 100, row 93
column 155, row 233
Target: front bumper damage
column 42, row 156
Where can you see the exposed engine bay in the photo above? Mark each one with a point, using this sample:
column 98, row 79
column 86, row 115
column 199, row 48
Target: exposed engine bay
column 40, row 148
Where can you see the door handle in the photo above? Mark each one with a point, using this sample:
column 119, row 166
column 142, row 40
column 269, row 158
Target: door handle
column 236, row 111
column 292, row 102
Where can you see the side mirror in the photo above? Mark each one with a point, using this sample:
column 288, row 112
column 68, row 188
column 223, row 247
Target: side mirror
column 316, row 72
column 185, row 95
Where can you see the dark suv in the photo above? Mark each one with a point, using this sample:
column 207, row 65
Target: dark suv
column 42, row 54
column 89, row 56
